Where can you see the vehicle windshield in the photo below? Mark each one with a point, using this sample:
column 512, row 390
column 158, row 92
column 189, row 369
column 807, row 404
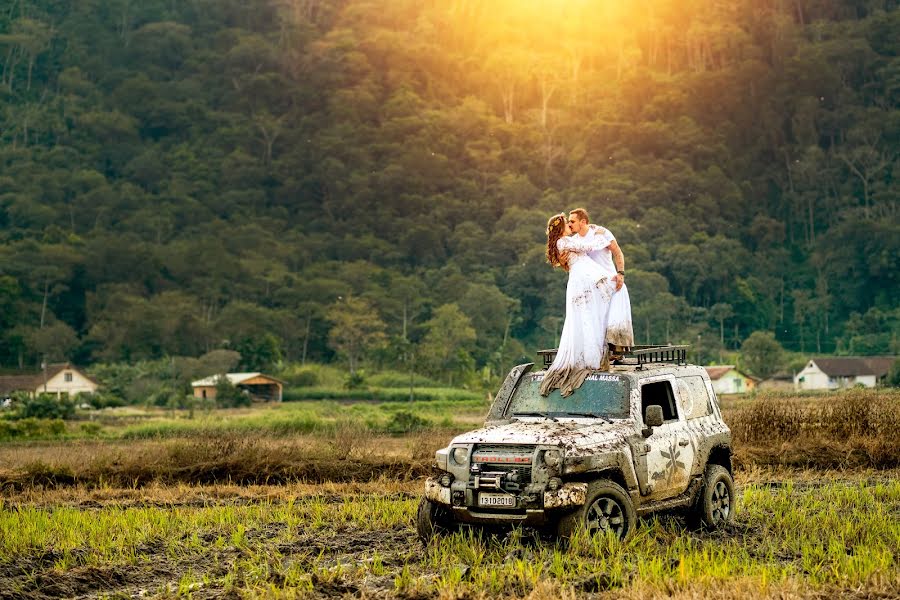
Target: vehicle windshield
column 602, row 395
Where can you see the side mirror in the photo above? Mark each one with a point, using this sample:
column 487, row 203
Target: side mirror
column 653, row 417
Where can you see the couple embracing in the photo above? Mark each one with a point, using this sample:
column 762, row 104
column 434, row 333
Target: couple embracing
column 598, row 309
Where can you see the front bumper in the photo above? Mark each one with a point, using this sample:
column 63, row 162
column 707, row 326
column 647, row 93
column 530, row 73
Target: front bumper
column 531, row 505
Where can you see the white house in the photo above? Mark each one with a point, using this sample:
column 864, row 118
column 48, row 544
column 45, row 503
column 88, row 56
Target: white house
column 726, row 379
column 59, row 379
column 843, row 372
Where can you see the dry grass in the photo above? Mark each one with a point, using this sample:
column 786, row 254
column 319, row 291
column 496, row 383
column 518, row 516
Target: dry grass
column 352, row 455
column 850, row 429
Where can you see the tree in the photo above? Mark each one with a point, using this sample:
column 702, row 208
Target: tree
column 448, row 341
column 54, row 342
column 893, row 376
column 720, row 312
column 492, row 314
column 174, row 180
column 218, row 362
column 762, row 354
column 258, row 353
column 356, row 330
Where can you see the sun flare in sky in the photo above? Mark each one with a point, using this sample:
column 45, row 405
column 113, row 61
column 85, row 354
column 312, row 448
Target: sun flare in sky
column 547, row 24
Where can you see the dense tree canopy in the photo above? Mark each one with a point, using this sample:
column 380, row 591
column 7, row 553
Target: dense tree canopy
column 177, row 177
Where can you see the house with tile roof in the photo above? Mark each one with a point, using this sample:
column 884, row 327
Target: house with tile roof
column 726, row 379
column 58, row 379
column 834, row 373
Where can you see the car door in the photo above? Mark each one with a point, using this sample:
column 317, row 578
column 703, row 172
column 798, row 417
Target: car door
column 669, row 449
column 695, row 408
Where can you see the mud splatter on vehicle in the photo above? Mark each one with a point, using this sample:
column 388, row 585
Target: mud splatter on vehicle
column 646, row 435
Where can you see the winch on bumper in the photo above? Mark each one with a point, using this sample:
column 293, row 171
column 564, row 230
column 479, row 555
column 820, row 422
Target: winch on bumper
column 492, row 483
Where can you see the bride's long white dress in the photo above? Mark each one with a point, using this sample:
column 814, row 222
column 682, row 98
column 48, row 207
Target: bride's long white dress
column 582, row 345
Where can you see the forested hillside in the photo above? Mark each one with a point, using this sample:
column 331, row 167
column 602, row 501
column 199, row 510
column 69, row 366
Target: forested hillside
column 371, row 179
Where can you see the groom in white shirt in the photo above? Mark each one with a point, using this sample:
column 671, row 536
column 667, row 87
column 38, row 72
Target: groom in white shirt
column 611, row 258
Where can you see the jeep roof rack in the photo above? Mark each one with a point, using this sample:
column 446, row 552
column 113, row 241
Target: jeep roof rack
column 642, row 355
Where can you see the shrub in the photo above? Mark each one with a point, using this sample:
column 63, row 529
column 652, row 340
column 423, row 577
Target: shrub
column 230, row 396
column 91, row 429
column 406, row 422
column 46, row 406
column 32, row 428
column 355, row 381
column 100, row 400
column 167, row 397
column 305, row 378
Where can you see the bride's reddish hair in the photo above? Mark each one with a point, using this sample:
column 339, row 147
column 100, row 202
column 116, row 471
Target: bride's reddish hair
column 556, row 227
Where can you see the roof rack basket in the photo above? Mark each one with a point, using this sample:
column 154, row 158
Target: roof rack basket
column 641, row 355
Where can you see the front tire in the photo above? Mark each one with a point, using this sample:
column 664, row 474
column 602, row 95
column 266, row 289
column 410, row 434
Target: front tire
column 715, row 504
column 433, row 519
column 608, row 508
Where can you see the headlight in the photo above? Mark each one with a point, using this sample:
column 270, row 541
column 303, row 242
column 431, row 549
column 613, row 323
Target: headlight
column 552, row 458
column 459, row 455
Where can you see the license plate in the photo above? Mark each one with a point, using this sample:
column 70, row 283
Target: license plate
column 494, row 500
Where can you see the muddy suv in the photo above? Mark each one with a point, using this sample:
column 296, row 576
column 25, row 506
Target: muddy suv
column 647, row 435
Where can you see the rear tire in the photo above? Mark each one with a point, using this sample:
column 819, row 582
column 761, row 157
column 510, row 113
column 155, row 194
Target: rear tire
column 715, row 503
column 608, row 508
column 433, row 519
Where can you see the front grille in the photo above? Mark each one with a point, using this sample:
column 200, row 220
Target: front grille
column 506, row 468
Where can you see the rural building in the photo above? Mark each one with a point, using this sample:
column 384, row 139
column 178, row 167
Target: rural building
column 262, row 388
column 726, row 379
column 779, row 382
column 60, row 379
column 835, row 373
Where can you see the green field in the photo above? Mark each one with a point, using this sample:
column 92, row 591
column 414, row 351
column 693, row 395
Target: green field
column 318, row 499
column 788, row 538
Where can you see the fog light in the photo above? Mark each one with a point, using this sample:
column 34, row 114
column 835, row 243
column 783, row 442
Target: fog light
column 552, row 458
column 446, row 479
column 459, row 455
column 554, row 484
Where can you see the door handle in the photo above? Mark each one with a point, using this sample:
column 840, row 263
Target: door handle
column 683, row 443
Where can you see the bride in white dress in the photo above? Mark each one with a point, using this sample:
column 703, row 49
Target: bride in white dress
column 582, row 345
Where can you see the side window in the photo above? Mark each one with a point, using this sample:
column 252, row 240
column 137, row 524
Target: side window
column 693, row 397
column 660, row 393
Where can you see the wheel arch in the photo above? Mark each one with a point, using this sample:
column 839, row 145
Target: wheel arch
column 721, row 455
column 612, row 474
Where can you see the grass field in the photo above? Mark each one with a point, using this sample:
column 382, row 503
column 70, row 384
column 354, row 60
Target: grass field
column 247, row 503
column 820, row 537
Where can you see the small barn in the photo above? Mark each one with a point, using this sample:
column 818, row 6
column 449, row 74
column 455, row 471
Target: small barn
column 834, row 373
column 62, row 379
column 726, row 379
column 261, row 388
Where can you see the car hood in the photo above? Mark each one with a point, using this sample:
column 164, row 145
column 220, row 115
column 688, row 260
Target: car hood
column 567, row 433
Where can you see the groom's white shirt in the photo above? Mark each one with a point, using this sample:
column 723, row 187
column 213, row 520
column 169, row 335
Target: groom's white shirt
column 601, row 257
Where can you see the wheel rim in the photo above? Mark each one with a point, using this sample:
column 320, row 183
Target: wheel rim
column 720, row 502
column 605, row 514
